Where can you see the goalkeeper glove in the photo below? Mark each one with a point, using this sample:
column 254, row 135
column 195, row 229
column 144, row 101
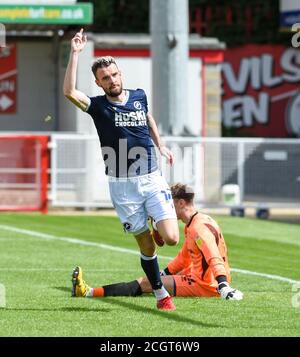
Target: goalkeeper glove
column 229, row 293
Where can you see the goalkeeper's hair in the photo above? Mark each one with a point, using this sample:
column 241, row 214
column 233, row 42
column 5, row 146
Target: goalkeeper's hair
column 181, row 191
column 103, row 62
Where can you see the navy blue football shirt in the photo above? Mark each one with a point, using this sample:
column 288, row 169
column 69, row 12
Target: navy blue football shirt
column 126, row 144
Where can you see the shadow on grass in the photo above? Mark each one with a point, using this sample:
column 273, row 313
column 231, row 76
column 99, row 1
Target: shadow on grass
column 63, row 309
column 63, row 288
column 174, row 316
column 169, row 315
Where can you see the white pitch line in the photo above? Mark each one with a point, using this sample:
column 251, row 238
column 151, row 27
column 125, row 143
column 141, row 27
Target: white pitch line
column 66, row 270
column 67, row 239
column 269, row 276
column 129, row 251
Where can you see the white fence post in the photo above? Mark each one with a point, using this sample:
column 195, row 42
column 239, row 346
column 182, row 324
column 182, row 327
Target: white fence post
column 241, row 169
column 53, row 176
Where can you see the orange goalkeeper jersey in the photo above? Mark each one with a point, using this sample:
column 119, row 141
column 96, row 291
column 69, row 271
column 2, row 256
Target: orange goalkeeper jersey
column 204, row 252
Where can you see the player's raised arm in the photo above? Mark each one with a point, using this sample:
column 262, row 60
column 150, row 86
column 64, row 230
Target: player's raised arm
column 78, row 43
column 157, row 141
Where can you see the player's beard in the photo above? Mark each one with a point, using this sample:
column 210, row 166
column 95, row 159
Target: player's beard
column 114, row 92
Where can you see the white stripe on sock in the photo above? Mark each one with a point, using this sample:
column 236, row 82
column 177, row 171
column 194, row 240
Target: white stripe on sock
column 160, row 293
column 145, row 257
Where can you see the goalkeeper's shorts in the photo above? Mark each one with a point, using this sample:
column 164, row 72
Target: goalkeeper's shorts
column 188, row 285
column 137, row 198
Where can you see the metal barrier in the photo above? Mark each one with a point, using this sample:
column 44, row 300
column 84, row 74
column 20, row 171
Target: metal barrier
column 265, row 172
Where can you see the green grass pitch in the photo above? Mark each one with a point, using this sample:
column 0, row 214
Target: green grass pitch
column 36, row 273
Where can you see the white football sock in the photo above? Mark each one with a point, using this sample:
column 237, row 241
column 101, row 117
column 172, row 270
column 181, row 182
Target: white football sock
column 89, row 293
column 160, row 293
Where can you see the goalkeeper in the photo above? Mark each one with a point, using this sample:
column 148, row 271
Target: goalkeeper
column 200, row 269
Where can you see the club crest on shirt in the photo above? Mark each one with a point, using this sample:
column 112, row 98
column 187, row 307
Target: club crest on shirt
column 137, row 105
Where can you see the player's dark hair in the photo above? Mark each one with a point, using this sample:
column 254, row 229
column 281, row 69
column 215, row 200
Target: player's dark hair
column 181, row 191
column 102, row 62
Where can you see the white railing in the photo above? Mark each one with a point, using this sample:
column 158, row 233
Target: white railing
column 265, row 171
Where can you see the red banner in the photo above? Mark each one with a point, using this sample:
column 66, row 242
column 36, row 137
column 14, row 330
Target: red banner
column 261, row 91
column 8, row 79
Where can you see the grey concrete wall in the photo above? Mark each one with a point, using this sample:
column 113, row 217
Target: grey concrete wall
column 35, row 89
column 67, row 111
column 212, row 162
column 71, row 118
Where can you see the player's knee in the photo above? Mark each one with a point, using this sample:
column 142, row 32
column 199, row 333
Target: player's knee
column 148, row 248
column 169, row 231
column 149, row 251
column 146, row 244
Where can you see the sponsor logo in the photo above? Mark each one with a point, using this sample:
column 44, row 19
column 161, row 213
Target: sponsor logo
column 296, row 37
column 292, row 115
column 256, row 92
column 137, row 118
